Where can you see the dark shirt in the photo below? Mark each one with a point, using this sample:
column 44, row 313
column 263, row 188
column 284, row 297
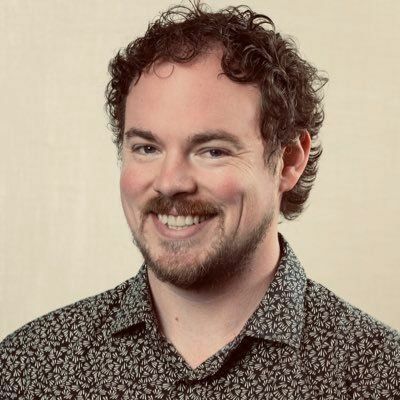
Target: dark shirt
column 302, row 342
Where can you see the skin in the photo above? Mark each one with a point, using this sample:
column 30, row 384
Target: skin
column 176, row 102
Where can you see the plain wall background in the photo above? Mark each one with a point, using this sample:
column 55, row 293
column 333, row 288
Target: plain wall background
column 63, row 235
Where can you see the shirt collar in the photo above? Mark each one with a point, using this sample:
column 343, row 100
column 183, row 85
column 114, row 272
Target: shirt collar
column 136, row 305
column 279, row 316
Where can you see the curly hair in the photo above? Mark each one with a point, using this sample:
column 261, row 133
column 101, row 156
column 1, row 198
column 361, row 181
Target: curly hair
column 252, row 52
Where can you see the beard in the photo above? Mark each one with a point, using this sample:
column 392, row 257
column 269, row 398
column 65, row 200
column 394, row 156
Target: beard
column 226, row 258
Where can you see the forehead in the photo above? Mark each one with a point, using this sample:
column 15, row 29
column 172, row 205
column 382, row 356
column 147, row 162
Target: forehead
column 182, row 99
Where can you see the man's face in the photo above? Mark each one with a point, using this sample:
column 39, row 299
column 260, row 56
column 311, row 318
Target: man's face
column 198, row 197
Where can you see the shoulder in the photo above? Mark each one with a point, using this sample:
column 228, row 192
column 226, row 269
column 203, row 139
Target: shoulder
column 367, row 350
column 76, row 318
column 322, row 305
column 54, row 333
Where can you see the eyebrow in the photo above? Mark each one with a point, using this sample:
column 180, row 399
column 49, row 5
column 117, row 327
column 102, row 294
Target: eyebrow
column 208, row 136
column 147, row 135
column 194, row 140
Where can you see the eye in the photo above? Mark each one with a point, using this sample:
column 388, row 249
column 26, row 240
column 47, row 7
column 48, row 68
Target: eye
column 144, row 149
column 215, row 153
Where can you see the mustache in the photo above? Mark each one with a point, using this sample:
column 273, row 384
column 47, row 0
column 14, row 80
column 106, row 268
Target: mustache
column 163, row 205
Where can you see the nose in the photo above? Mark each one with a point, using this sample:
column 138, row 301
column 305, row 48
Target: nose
column 174, row 177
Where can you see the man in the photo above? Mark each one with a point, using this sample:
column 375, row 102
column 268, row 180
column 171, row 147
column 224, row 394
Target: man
column 216, row 121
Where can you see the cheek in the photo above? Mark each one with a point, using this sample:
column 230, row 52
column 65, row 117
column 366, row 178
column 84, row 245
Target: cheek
column 248, row 194
column 227, row 188
column 126, row 183
column 132, row 183
column 132, row 189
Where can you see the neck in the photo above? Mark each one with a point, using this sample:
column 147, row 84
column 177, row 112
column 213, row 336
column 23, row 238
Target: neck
column 200, row 322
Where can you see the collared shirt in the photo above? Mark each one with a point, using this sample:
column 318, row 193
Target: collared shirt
column 302, row 342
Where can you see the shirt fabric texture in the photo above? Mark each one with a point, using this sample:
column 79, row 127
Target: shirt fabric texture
column 302, row 342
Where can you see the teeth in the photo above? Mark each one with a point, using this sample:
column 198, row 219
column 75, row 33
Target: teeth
column 180, row 221
column 171, row 220
column 189, row 220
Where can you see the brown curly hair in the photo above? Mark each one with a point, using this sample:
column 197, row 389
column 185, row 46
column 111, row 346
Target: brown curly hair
column 253, row 52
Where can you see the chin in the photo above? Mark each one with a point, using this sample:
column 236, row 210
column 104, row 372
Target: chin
column 184, row 276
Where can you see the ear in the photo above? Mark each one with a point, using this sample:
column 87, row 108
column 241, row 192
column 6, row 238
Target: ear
column 294, row 160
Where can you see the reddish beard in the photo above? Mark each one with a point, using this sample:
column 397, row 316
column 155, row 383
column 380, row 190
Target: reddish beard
column 225, row 256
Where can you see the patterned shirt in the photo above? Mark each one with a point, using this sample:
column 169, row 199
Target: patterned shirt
column 302, row 342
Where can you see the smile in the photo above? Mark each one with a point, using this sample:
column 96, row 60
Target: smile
column 180, row 221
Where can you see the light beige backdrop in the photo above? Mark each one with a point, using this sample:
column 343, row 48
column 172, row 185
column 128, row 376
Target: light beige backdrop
column 62, row 232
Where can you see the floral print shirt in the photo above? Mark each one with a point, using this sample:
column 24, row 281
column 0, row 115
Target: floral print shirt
column 302, row 342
